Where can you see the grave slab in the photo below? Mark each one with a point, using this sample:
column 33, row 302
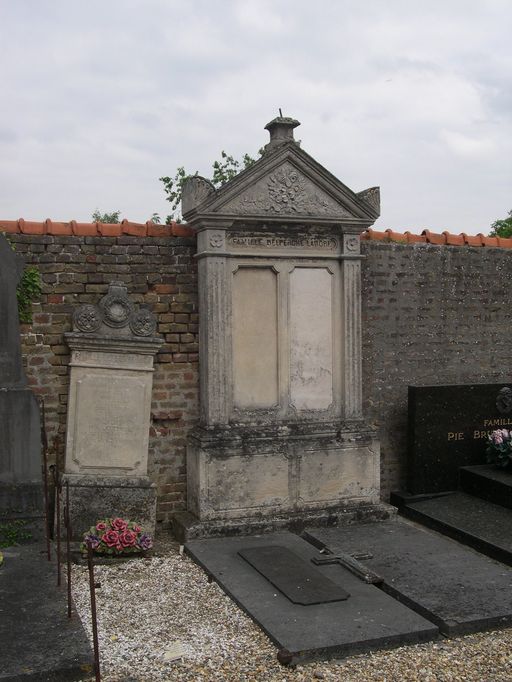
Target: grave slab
column 485, row 526
column 297, row 579
column 493, row 485
column 369, row 619
column 453, row 586
column 39, row 642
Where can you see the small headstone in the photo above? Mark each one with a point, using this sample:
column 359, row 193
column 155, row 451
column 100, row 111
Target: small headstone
column 448, row 428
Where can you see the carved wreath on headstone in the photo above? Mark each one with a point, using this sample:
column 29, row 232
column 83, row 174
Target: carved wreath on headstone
column 114, row 311
column 504, row 400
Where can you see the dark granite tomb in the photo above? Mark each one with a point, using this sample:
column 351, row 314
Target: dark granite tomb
column 447, row 429
column 456, row 588
column 369, row 620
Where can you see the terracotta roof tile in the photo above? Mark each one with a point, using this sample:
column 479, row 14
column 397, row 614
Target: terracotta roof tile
column 454, row 239
column 446, row 238
column 473, row 240
column 415, row 238
column 148, row 229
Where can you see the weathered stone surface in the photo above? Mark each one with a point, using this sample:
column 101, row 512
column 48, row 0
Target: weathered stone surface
column 98, row 497
column 280, row 351
column 11, row 269
column 240, row 473
column 20, row 445
column 20, row 440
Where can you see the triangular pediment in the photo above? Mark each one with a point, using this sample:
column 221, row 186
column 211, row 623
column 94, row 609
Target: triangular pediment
column 286, row 183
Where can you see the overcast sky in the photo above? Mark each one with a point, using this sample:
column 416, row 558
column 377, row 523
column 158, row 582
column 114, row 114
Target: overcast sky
column 101, row 98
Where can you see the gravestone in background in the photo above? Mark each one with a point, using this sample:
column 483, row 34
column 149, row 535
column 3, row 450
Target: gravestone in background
column 448, row 428
column 20, row 442
column 282, row 436
column 112, row 349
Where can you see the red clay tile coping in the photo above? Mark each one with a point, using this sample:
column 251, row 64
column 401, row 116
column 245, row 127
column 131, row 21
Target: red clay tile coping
column 148, row 229
column 445, row 238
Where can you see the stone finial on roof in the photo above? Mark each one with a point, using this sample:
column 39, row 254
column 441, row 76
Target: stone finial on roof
column 281, row 131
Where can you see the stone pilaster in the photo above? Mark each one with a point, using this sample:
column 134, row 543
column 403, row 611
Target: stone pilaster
column 214, row 328
column 351, row 302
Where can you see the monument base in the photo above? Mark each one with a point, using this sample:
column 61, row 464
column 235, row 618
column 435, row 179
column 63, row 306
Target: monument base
column 93, row 497
column 186, row 526
column 244, row 479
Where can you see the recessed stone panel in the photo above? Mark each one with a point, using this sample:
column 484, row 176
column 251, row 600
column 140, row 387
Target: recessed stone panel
column 333, row 474
column 110, row 426
column 311, row 338
column 247, row 483
column 255, row 338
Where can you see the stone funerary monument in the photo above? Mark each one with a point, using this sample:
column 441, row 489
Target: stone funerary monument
column 282, row 435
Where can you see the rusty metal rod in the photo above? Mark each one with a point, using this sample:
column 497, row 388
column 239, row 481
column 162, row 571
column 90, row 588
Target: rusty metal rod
column 67, row 523
column 57, row 495
column 92, row 589
column 44, row 465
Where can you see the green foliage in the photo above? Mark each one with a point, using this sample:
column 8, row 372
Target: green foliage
column 223, row 171
column 111, row 218
column 502, row 228
column 28, row 290
column 13, row 532
column 155, row 218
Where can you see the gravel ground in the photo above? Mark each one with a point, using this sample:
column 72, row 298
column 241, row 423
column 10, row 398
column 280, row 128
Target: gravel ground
column 147, row 606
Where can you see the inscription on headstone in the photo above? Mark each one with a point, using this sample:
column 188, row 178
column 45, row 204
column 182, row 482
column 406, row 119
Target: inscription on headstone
column 448, row 428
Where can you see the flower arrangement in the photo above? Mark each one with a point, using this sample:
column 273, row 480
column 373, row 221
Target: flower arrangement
column 499, row 448
column 117, row 537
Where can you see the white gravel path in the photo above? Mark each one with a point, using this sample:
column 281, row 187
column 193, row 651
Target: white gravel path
column 145, row 606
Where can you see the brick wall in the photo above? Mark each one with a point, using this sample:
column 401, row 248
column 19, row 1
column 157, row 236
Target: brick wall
column 431, row 314
column 160, row 272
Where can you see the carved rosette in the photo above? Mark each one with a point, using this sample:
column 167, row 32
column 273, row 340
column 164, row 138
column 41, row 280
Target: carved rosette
column 143, row 323
column 216, row 240
column 115, row 311
column 87, row 318
column 351, row 244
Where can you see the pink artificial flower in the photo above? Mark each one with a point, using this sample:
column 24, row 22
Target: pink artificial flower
column 119, row 524
column 128, row 538
column 110, row 538
column 136, row 528
column 101, row 526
